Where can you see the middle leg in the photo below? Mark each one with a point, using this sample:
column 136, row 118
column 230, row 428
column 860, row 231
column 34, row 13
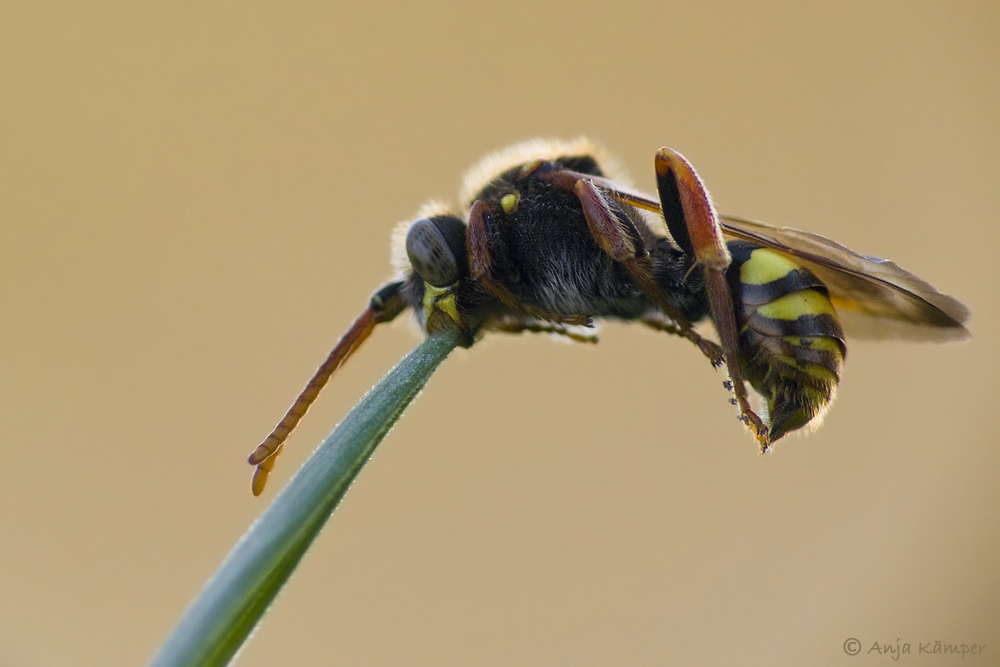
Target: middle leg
column 619, row 238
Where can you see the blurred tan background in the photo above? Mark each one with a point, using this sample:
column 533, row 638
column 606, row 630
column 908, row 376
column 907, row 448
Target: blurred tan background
column 196, row 201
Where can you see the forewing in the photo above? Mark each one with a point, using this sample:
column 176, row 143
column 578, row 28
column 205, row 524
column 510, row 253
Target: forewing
column 874, row 298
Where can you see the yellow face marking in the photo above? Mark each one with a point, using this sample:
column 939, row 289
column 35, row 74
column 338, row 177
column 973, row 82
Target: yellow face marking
column 509, row 203
column 443, row 299
column 765, row 266
column 792, row 306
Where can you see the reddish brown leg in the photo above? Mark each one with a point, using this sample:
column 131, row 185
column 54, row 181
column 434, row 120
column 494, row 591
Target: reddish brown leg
column 707, row 347
column 692, row 222
column 384, row 306
column 618, row 237
column 482, row 222
column 519, row 326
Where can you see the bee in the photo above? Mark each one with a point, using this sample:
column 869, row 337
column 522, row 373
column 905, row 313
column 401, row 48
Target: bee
column 550, row 238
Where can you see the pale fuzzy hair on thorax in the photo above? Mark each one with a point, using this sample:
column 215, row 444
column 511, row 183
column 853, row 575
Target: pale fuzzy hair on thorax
column 479, row 176
column 491, row 166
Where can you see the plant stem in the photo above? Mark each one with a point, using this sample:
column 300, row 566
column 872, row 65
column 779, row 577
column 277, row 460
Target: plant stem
column 233, row 601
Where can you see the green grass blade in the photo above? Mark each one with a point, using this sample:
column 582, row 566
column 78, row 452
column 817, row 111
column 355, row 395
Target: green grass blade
column 229, row 607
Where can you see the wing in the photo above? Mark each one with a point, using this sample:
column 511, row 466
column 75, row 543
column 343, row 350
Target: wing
column 874, row 298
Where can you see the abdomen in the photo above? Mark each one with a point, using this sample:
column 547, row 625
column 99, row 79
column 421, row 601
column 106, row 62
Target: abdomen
column 791, row 346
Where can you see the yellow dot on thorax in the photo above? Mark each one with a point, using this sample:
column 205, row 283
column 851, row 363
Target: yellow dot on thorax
column 509, row 203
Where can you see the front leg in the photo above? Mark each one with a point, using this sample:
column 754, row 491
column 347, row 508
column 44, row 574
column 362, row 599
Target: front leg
column 484, row 232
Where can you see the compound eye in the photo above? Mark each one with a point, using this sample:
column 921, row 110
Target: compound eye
column 430, row 255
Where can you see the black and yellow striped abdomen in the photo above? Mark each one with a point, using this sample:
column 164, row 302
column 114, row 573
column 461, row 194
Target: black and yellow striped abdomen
column 791, row 346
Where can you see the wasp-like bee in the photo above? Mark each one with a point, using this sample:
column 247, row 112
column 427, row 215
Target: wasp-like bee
column 548, row 241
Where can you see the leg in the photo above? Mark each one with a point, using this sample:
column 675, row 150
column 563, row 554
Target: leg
column 707, row 347
column 519, row 326
column 618, row 237
column 692, row 222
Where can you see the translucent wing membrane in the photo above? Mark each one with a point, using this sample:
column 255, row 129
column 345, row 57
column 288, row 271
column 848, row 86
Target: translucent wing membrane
column 874, row 298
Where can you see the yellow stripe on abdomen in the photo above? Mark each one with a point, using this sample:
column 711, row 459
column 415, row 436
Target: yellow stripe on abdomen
column 765, row 266
column 791, row 345
column 795, row 305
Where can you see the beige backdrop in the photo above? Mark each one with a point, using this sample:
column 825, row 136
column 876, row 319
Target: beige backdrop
column 196, row 201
